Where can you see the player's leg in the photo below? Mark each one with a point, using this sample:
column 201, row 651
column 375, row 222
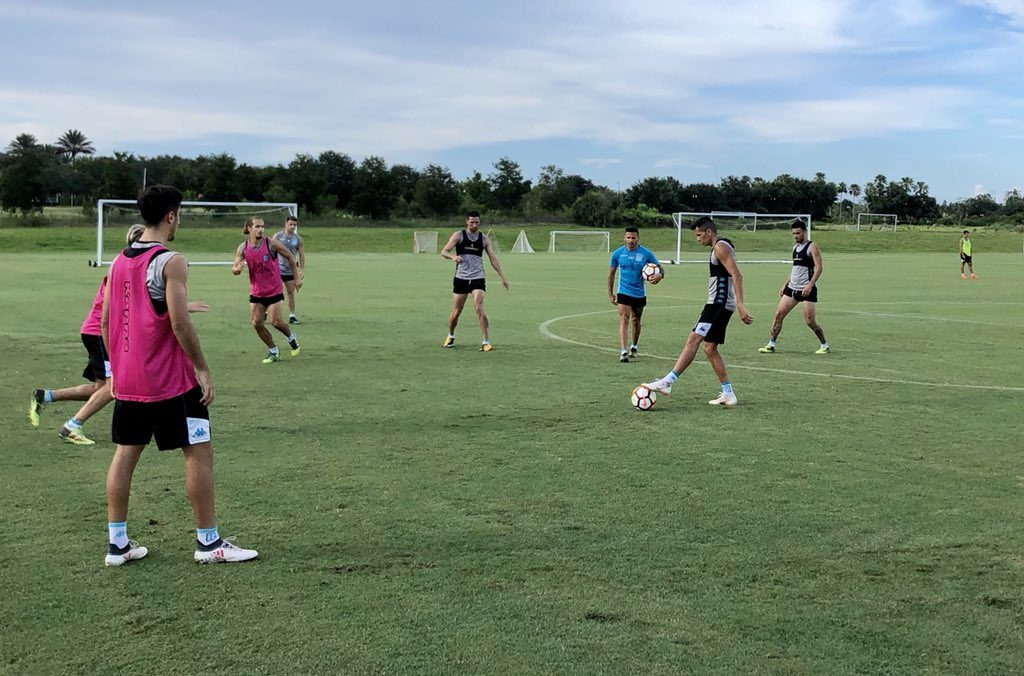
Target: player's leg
column 72, row 431
column 41, row 397
column 257, row 312
column 970, row 267
column 120, row 549
column 210, row 546
column 786, row 304
column 481, row 318
column 727, row 397
column 289, row 292
column 664, row 385
column 810, row 316
column 624, row 313
column 458, row 303
column 276, row 314
column 637, row 312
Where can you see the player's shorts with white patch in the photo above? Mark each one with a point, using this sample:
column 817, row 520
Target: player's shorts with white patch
column 812, row 297
column 464, row 286
column 965, row 258
column 176, row 422
column 98, row 367
column 714, row 319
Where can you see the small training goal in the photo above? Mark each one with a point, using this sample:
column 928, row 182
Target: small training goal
column 872, row 221
column 114, row 217
column 579, row 240
column 522, row 244
column 424, row 241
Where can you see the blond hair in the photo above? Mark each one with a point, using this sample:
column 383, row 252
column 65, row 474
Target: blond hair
column 134, row 233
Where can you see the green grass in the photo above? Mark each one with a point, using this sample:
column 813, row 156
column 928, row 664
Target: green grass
column 429, row 510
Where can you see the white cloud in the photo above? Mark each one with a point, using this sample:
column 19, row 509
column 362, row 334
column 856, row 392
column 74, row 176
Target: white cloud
column 600, row 162
column 1013, row 10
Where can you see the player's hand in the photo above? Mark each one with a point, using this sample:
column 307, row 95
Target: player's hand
column 782, row 292
column 206, row 384
column 198, row 306
column 236, row 269
column 457, row 259
column 110, row 380
column 298, row 282
column 745, row 316
column 614, row 300
column 657, row 278
column 504, row 282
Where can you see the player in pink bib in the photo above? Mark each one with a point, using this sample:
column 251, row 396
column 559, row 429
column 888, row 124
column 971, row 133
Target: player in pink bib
column 266, row 291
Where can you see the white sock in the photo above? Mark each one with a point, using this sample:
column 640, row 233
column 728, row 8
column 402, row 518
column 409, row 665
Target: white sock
column 824, row 345
column 671, row 377
column 118, row 534
column 771, row 342
column 274, row 350
column 207, row 536
column 292, row 338
column 73, row 424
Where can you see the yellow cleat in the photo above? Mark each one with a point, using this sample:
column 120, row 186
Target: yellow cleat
column 35, row 405
column 486, row 347
column 295, row 351
column 821, row 350
column 767, row 349
column 76, row 437
column 272, row 357
column 449, row 341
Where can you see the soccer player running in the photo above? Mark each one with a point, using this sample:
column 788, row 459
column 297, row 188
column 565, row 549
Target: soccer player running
column 160, row 379
column 725, row 295
column 97, row 395
column 293, row 242
column 469, row 245
column 965, row 255
column 801, row 287
column 630, row 298
column 260, row 254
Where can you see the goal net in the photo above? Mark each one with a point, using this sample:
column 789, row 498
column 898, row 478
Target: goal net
column 522, row 244
column 733, row 222
column 424, row 241
column 579, row 240
column 870, row 221
column 114, row 217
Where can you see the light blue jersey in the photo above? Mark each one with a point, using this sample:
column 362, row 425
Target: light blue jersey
column 630, row 265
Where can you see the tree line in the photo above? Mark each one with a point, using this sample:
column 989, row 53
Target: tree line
column 68, row 172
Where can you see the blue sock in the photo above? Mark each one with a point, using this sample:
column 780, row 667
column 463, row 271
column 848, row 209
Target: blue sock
column 48, row 397
column 671, row 377
column 207, row 536
column 727, row 387
column 118, row 534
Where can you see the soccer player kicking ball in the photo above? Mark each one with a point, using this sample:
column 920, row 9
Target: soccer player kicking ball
column 266, row 290
column 725, row 295
column 801, row 287
column 159, row 378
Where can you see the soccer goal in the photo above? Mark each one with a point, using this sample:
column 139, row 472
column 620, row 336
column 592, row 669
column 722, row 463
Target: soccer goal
column 522, row 244
column 735, row 221
column 424, row 241
column 579, row 240
column 114, row 217
column 869, row 221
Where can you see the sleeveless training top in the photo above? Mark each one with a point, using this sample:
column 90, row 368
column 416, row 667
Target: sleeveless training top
column 292, row 243
column 146, row 360
column 92, row 326
column 471, row 251
column 965, row 245
column 264, row 275
column 720, row 285
column 803, row 266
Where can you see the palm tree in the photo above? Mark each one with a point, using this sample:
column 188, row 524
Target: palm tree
column 74, row 143
column 22, row 143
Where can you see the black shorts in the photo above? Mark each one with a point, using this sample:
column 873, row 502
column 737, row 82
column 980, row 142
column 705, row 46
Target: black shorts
column 810, row 298
column 98, row 367
column 965, row 258
column 287, row 277
column 176, row 422
column 464, row 286
column 712, row 323
column 631, row 301
column 267, row 302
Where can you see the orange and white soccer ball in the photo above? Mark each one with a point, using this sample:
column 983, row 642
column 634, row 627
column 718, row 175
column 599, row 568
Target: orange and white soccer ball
column 643, row 398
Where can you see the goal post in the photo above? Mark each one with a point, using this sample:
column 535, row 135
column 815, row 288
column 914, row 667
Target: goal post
column 522, row 244
column 116, row 215
column 424, row 241
column 579, row 240
column 888, row 221
column 732, row 221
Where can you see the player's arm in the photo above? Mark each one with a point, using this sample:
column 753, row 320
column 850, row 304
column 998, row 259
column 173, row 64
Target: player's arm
column 818, row 266
column 611, row 285
column 176, row 278
column 651, row 258
column 961, row 246
column 724, row 253
column 446, row 251
column 236, row 267
column 301, row 250
column 104, row 330
column 282, row 250
column 494, row 261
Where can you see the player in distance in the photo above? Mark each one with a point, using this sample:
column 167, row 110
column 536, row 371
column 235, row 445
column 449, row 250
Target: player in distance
column 293, row 242
column 801, row 287
column 630, row 297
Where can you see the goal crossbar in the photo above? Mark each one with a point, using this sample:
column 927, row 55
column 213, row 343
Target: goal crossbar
column 602, row 234
column 252, row 208
column 754, row 217
column 895, row 218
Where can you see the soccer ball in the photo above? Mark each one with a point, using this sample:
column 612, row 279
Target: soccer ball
column 643, row 398
column 650, row 271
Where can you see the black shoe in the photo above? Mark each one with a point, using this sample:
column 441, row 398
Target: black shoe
column 633, row 352
column 624, row 358
column 293, row 320
column 294, row 344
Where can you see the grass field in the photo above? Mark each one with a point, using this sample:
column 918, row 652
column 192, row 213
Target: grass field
column 429, row 510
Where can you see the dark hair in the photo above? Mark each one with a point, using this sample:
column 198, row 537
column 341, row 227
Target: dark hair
column 797, row 223
column 472, row 214
column 291, row 218
column 157, row 201
column 704, row 223
column 249, row 222
column 967, row 232
column 632, row 228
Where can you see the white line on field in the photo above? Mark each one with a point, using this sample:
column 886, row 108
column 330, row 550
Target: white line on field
column 545, row 329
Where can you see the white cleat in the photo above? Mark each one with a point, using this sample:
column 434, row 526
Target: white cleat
column 225, row 552
column 135, row 551
column 661, row 386
column 724, row 399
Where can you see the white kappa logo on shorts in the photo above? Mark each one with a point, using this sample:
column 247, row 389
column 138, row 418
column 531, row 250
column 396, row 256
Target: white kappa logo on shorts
column 106, row 369
column 198, row 430
column 702, row 328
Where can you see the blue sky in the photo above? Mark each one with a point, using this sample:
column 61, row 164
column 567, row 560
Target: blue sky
column 615, row 91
